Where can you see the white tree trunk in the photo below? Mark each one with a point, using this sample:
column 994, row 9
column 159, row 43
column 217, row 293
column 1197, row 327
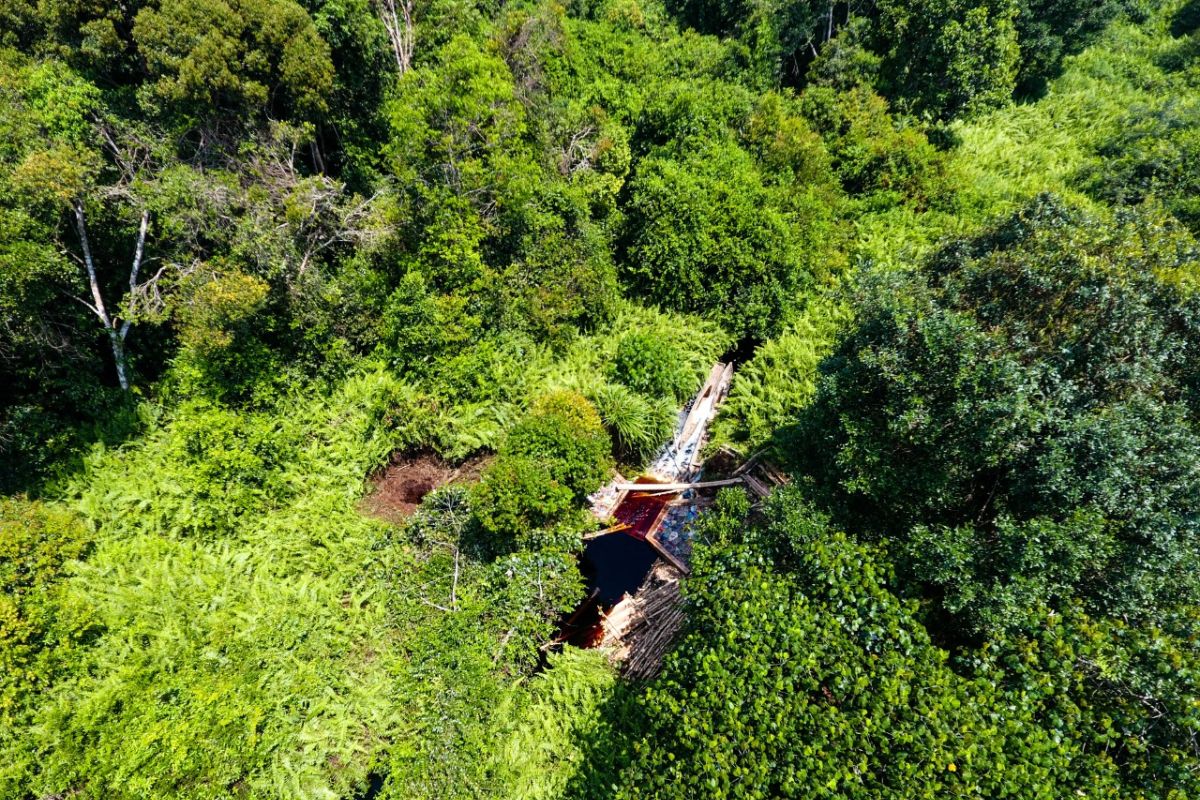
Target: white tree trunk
column 116, row 332
column 397, row 16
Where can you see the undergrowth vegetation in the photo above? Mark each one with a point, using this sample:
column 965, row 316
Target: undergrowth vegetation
column 253, row 253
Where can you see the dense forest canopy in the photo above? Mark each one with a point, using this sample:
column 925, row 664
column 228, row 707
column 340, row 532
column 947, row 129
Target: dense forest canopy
column 253, row 251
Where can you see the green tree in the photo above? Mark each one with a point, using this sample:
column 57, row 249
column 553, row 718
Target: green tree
column 809, row 674
column 1018, row 421
column 949, row 57
column 706, row 236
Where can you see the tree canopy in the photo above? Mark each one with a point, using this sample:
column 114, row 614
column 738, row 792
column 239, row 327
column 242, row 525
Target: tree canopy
column 323, row 321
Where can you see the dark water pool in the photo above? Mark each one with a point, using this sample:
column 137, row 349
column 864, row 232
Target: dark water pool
column 613, row 565
column 616, row 564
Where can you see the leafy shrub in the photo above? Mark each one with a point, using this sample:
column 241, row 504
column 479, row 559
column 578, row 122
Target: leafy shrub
column 639, row 427
column 518, row 495
column 206, row 58
column 706, row 236
column 563, row 432
column 649, row 363
column 873, row 152
column 948, row 57
column 550, row 460
column 41, row 630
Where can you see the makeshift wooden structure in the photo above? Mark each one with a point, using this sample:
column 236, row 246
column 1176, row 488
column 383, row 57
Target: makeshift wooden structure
column 658, row 508
column 640, row 629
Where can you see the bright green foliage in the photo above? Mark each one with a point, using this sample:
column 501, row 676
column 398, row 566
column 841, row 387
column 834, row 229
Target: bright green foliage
column 1154, row 155
column 224, row 631
column 771, row 388
column 563, row 431
column 873, row 152
column 819, row 677
column 550, row 461
column 457, row 145
column 518, row 497
column 538, row 733
column 847, row 59
column 650, row 363
column 344, row 263
column 638, row 426
column 790, row 150
column 1019, row 420
column 458, row 682
column 215, row 316
column 41, row 630
column 257, row 629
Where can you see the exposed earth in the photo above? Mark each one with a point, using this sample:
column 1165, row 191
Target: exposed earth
column 398, row 489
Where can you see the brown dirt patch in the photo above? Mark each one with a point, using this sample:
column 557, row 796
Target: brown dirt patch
column 398, row 489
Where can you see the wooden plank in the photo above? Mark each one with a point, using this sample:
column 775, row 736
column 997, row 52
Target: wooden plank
column 749, row 463
column 725, row 381
column 773, row 472
column 756, row 486
column 621, row 526
column 694, row 416
column 669, row 488
column 662, row 551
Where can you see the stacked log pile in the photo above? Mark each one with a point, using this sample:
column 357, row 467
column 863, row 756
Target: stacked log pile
column 641, row 628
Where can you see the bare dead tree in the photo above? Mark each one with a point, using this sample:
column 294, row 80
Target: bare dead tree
column 397, row 16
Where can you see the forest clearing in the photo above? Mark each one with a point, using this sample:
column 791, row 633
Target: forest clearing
column 599, row 400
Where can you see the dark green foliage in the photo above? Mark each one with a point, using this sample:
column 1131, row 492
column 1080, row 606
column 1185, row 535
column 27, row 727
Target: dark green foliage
column 706, row 236
column 1023, row 418
column 1050, row 30
column 206, row 58
column 771, row 31
column 200, row 62
column 1126, row 694
column 1186, row 20
column 818, row 676
column 949, row 57
column 873, row 152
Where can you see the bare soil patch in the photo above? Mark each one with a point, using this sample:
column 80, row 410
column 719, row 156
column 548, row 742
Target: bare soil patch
column 398, row 488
